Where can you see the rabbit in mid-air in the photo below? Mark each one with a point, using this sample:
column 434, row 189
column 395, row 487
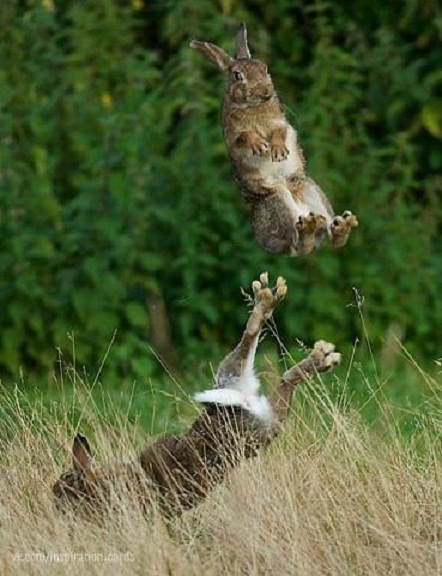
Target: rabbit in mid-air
column 236, row 421
column 290, row 212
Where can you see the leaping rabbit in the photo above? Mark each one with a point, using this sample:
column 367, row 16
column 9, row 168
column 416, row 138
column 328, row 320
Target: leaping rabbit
column 290, row 212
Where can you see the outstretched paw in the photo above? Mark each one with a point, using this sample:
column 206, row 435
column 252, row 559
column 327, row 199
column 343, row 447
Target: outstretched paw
column 324, row 356
column 266, row 299
column 341, row 227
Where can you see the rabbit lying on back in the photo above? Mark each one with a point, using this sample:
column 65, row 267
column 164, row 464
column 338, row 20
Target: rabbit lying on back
column 177, row 472
column 290, row 212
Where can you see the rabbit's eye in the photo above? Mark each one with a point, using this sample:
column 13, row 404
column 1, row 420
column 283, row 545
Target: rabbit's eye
column 238, row 76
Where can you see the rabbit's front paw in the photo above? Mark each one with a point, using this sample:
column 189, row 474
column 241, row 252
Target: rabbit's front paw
column 253, row 141
column 259, row 146
column 279, row 152
column 268, row 298
column 341, row 227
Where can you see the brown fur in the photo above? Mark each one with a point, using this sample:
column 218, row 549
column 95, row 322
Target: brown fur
column 290, row 213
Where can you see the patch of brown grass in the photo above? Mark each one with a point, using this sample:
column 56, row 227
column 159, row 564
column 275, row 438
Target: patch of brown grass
column 332, row 496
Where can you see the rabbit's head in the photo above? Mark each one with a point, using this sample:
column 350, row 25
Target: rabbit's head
column 80, row 482
column 248, row 80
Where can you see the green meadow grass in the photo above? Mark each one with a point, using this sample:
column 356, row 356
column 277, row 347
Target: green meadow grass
column 353, row 485
column 164, row 404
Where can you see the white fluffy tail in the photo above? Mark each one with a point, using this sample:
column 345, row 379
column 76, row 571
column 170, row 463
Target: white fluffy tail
column 258, row 406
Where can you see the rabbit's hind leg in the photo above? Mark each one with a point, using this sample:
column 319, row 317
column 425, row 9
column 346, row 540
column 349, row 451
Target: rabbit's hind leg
column 236, row 369
column 314, row 213
column 322, row 358
column 341, row 227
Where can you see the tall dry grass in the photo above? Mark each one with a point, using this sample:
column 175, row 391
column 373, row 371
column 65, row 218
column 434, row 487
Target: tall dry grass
column 333, row 495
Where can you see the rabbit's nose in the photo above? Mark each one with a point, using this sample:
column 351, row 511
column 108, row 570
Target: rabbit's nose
column 264, row 93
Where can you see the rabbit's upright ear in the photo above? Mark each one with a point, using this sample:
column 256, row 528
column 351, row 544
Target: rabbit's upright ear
column 214, row 53
column 242, row 49
column 81, row 454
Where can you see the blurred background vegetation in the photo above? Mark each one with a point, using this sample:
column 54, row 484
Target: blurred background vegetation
column 121, row 226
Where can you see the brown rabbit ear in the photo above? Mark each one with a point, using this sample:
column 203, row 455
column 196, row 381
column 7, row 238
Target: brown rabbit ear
column 81, row 453
column 214, row 53
column 242, row 49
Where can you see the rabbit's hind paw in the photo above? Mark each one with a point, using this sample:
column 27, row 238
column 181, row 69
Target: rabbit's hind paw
column 310, row 224
column 309, row 230
column 341, row 227
column 324, row 356
column 266, row 299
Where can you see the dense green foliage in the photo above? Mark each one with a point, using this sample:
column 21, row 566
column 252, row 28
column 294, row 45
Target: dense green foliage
column 116, row 188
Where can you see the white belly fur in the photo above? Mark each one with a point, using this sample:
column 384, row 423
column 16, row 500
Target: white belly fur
column 275, row 172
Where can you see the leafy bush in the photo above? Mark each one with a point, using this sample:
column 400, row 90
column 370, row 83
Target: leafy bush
column 115, row 186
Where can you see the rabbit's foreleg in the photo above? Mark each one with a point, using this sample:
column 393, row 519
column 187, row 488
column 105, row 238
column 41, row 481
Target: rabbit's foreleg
column 278, row 146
